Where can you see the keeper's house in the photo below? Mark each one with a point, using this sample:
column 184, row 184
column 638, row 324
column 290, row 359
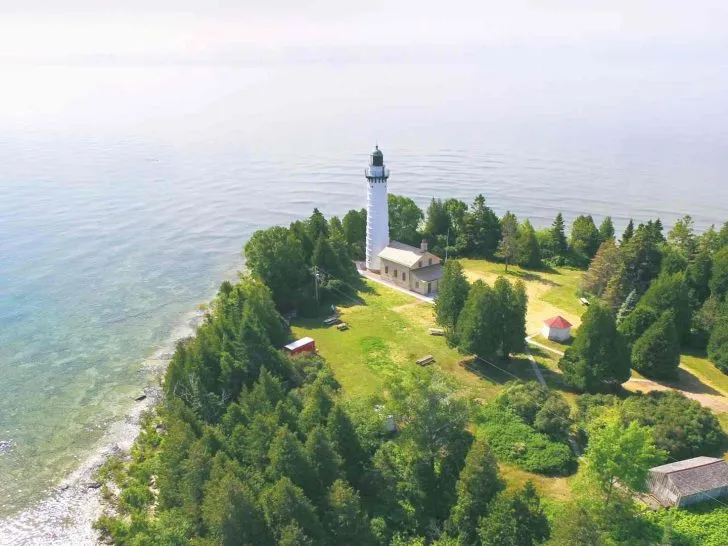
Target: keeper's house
column 410, row 267
column 689, row 482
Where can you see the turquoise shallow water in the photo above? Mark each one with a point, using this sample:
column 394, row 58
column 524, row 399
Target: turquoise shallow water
column 126, row 197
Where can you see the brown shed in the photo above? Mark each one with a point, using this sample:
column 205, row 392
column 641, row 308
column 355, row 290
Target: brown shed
column 690, row 481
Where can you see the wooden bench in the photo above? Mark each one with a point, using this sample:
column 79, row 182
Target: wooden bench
column 436, row 331
column 425, row 360
column 341, row 327
column 332, row 320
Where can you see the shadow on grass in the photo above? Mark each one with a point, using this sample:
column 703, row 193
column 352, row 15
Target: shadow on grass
column 688, row 382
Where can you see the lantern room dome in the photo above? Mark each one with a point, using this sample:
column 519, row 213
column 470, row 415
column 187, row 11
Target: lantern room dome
column 377, row 158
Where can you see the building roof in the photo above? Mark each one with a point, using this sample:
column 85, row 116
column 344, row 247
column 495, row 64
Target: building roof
column 429, row 273
column 557, row 322
column 299, row 343
column 695, row 475
column 402, row 254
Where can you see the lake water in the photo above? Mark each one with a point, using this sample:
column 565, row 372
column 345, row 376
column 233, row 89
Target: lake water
column 127, row 193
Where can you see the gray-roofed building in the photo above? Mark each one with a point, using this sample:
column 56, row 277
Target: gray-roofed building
column 411, row 267
column 690, row 481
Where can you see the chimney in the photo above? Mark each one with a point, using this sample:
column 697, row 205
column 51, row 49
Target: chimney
column 423, row 245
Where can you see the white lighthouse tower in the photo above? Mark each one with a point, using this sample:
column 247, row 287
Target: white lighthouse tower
column 377, row 209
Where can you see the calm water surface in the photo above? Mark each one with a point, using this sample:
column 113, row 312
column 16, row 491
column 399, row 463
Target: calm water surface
column 126, row 195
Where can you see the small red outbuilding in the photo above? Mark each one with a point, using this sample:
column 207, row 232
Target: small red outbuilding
column 303, row 345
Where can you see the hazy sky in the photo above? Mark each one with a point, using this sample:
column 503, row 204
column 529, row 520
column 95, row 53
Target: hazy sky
column 206, row 31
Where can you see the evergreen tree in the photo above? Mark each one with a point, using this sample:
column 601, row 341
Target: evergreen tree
column 451, row 298
column 682, row 237
column 481, row 230
column 718, row 346
column 529, row 251
column 288, row 458
column 599, row 357
column 719, row 278
column 656, row 353
column 628, row 232
column 512, row 304
column 641, row 258
column 670, row 293
column 346, row 443
column 323, row 457
column 318, row 227
column 344, row 518
column 515, row 519
column 478, row 328
column 606, row 230
column 697, row 278
column 508, row 245
column 558, row 235
column 637, row 323
column 231, row 513
column 285, row 504
column 584, row 238
column 354, row 225
column 478, row 485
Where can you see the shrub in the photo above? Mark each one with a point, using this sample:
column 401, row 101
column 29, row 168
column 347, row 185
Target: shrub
column 515, row 442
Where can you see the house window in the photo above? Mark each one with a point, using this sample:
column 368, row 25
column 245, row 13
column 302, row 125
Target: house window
column 386, row 269
column 430, row 261
column 417, row 284
column 429, row 287
column 404, row 277
column 395, row 273
column 419, row 264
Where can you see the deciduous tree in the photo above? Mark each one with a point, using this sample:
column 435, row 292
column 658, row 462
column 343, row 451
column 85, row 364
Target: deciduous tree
column 404, row 219
column 603, row 267
column 515, row 519
column 584, row 237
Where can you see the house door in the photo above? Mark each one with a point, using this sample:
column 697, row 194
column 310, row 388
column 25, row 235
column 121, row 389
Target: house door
column 429, row 287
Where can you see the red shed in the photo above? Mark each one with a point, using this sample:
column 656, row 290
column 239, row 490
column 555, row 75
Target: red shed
column 303, row 345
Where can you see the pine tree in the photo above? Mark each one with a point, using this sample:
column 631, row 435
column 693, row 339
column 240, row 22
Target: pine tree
column 558, row 234
column 606, row 230
column 344, row 518
column 318, row 227
column 508, row 245
column 288, row 458
column 451, row 298
column 529, row 252
column 481, row 230
column 478, row 485
column 598, row 358
column 438, row 220
column 637, row 323
column 323, row 456
column 656, row 353
column 669, row 292
column 285, row 504
column 346, row 443
column 628, row 231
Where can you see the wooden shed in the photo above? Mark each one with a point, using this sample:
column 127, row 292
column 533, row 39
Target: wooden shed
column 689, row 482
column 303, row 345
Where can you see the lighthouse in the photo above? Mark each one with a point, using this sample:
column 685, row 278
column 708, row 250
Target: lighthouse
column 377, row 209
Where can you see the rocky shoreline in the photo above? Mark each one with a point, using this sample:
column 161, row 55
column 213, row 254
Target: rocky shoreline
column 66, row 516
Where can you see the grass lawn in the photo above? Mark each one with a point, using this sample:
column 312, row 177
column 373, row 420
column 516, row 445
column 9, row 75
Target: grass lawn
column 555, row 489
column 388, row 333
column 706, row 371
column 550, row 292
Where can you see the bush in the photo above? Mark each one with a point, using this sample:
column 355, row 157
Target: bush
column 515, row 442
column 702, row 525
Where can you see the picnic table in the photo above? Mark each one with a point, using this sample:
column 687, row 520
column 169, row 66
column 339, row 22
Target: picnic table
column 425, row 360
